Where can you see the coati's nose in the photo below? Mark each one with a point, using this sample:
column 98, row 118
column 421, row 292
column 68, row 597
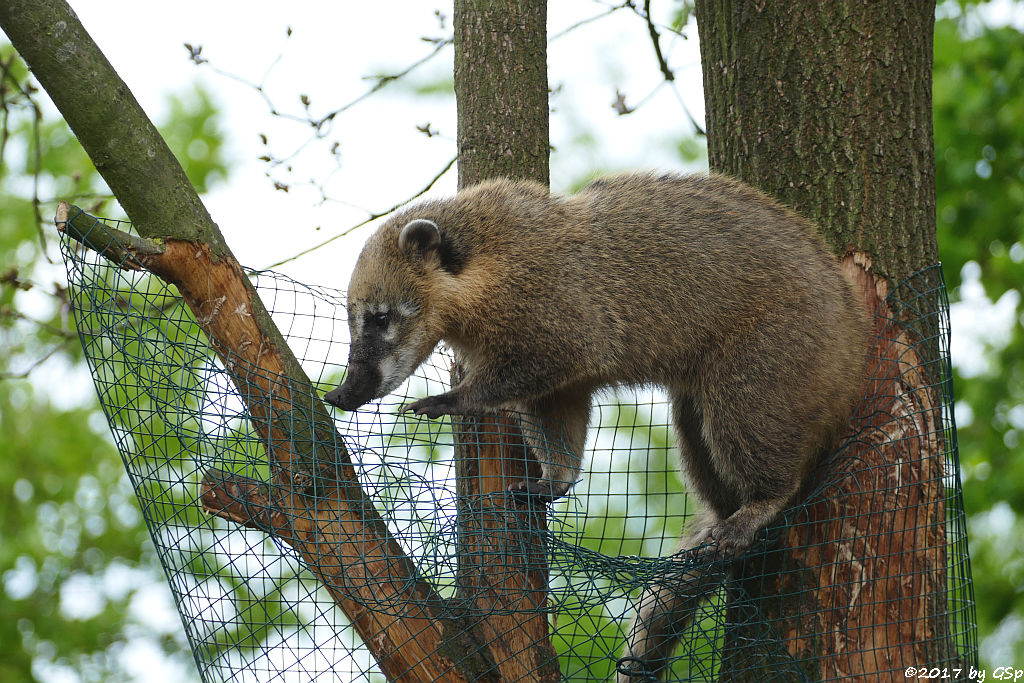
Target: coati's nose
column 339, row 397
column 360, row 386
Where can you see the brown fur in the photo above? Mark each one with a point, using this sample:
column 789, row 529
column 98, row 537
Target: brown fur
column 699, row 284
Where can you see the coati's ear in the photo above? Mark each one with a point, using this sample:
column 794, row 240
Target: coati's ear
column 419, row 237
column 422, row 238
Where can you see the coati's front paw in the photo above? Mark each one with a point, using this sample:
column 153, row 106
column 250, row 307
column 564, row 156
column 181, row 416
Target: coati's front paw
column 730, row 539
column 436, row 406
column 537, row 491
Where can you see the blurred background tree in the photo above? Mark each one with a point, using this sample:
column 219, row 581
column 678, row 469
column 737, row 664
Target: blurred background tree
column 79, row 580
column 82, row 587
column 979, row 141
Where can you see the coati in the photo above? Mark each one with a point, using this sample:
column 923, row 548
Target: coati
column 697, row 283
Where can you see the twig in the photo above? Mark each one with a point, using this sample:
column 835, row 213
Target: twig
column 656, row 40
column 584, row 22
column 37, row 158
column 55, row 331
column 317, row 124
column 369, row 219
column 381, row 82
column 36, row 363
column 699, row 128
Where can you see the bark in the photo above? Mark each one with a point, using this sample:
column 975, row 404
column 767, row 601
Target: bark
column 501, row 85
column 502, row 95
column 827, row 106
column 313, row 500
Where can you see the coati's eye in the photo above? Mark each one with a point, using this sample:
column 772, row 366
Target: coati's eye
column 381, row 319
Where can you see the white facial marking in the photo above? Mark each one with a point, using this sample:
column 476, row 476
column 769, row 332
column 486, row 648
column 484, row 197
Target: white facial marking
column 395, row 368
column 388, row 375
column 355, row 322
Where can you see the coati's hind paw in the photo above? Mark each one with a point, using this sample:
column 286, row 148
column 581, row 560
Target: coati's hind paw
column 436, row 406
column 633, row 669
column 537, row 491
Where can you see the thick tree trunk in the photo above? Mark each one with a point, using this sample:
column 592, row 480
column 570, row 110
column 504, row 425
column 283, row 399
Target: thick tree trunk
column 827, row 106
column 502, row 94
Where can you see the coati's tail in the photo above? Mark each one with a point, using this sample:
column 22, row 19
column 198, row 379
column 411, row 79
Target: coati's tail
column 664, row 613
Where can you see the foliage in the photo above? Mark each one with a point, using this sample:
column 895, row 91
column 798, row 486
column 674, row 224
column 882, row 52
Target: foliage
column 79, row 575
column 979, row 144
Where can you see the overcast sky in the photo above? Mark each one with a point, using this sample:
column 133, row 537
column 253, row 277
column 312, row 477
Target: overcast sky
column 383, row 157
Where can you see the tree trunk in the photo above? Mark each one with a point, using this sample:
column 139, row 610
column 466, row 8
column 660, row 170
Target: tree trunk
column 501, row 87
column 501, row 91
column 827, row 106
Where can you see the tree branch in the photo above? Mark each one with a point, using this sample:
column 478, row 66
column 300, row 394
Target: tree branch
column 371, row 217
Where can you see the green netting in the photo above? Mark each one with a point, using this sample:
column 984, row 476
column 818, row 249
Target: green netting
column 870, row 573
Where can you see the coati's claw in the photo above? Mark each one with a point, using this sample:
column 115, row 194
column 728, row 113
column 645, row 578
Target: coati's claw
column 536, row 491
column 730, row 540
column 435, row 406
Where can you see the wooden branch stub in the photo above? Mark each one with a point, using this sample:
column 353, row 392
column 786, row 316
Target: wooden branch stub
column 127, row 251
column 240, row 499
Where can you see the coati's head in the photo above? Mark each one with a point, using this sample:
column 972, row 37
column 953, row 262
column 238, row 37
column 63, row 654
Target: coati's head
column 393, row 317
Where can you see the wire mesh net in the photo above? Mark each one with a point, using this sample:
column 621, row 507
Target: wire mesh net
column 870, row 573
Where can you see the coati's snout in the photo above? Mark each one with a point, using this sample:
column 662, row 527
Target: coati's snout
column 373, row 366
column 387, row 319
